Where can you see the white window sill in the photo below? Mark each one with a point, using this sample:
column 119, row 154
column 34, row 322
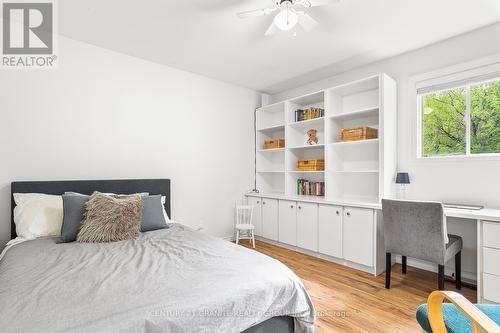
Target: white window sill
column 459, row 158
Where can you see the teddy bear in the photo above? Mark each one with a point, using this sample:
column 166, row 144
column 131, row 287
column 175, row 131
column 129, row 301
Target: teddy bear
column 313, row 139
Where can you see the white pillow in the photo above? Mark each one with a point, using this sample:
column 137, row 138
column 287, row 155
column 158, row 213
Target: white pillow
column 38, row 215
column 165, row 215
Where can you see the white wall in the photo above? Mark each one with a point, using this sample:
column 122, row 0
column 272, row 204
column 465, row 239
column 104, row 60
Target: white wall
column 104, row 115
column 464, row 182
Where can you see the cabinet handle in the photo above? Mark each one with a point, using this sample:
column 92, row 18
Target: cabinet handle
column 258, row 201
column 348, row 213
column 291, row 206
column 263, row 202
column 337, row 212
column 300, row 207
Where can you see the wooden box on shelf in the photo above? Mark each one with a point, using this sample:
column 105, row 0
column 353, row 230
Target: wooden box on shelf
column 310, row 165
column 358, row 133
column 273, row 144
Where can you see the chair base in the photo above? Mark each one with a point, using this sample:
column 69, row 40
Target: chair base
column 440, row 277
column 388, row 266
column 458, row 271
column 247, row 234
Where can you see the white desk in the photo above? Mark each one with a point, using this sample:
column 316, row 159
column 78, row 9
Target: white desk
column 488, row 250
column 486, row 214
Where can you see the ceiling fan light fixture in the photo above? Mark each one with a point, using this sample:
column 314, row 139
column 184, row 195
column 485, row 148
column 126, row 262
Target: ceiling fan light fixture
column 286, row 19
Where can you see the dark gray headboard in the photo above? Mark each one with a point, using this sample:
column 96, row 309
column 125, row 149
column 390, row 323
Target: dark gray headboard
column 122, row 186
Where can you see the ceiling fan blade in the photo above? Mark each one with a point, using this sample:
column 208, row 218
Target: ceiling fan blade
column 306, row 21
column 317, row 3
column 256, row 12
column 271, row 30
column 251, row 13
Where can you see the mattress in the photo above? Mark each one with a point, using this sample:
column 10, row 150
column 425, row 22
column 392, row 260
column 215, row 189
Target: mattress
column 169, row 280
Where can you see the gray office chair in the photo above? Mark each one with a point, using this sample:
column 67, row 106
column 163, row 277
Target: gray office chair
column 415, row 229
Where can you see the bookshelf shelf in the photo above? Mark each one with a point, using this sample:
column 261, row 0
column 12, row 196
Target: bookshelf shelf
column 354, row 143
column 309, row 122
column 307, row 196
column 271, row 128
column 273, row 150
column 307, row 146
column 272, row 108
column 310, row 172
column 355, row 170
column 370, row 111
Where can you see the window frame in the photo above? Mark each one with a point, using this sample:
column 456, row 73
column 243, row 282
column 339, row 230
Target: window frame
column 482, row 67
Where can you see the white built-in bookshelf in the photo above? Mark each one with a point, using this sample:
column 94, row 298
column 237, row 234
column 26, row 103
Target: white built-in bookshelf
column 360, row 171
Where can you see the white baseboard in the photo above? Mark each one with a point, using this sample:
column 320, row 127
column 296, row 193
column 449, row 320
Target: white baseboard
column 339, row 261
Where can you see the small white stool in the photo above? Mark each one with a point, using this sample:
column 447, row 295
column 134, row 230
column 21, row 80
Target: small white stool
column 244, row 227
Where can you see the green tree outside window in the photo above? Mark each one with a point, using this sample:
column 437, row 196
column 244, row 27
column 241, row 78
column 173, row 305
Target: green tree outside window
column 444, row 120
column 485, row 118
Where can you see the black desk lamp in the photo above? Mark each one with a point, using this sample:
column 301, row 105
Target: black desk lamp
column 403, row 178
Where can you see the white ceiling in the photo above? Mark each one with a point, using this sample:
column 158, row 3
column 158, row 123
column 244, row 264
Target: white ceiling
column 206, row 37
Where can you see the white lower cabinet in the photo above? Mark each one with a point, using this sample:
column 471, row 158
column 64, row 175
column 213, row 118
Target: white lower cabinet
column 307, row 226
column 491, row 262
column 337, row 231
column 330, row 230
column 358, row 238
column 270, row 218
column 256, row 203
column 491, row 291
column 288, row 222
column 491, row 235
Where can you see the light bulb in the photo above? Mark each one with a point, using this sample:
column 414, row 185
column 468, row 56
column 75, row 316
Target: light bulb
column 286, row 19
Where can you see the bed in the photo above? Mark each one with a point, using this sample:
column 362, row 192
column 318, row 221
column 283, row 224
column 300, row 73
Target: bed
column 168, row 280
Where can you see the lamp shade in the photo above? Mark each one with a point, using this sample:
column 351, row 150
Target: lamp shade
column 402, row 178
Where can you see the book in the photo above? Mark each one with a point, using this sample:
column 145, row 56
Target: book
column 309, row 113
column 306, row 187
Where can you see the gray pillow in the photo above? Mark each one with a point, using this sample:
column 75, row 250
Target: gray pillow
column 73, row 210
column 110, row 219
column 152, row 214
column 142, row 194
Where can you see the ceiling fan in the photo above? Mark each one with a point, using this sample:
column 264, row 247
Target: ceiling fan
column 290, row 13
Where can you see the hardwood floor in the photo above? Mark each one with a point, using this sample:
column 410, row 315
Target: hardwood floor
column 347, row 300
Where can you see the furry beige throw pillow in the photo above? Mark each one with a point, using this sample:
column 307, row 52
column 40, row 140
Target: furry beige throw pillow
column 110, row 219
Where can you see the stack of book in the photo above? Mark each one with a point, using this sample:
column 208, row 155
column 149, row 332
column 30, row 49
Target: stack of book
column 306, row 187
column 309, row 113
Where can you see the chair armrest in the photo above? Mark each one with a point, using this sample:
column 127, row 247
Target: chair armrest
column 478, row 318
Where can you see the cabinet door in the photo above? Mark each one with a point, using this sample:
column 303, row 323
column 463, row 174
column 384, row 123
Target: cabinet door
column 358, row 231
column 270, row 218
column 307, row 226
column 257, row 214
column 330, row 230
column 288, row 222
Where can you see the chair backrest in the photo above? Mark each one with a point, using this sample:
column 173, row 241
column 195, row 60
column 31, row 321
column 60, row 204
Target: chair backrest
column 414, row 229
column 479, row 320
column 244, row 214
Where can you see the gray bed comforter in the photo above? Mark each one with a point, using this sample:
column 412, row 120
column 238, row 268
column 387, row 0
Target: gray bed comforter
column 170, row 280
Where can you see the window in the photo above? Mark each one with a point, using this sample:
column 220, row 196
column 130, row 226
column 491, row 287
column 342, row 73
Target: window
column 485, row 118
column 460, row 118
